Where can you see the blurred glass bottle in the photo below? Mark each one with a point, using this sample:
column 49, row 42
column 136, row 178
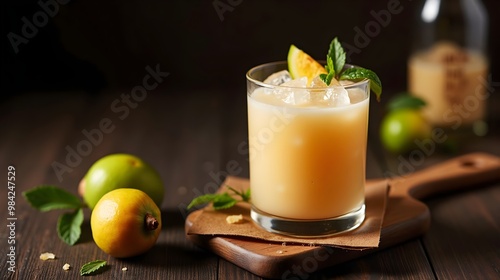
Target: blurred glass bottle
column 448, row 67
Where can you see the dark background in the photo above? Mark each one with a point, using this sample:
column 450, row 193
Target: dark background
column 105, row 45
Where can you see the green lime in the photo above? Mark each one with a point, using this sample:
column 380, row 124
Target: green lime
column 120, row 171
column 400, row 129
column 300, row 64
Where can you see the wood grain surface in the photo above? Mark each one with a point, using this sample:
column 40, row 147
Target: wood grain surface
column 195, row 139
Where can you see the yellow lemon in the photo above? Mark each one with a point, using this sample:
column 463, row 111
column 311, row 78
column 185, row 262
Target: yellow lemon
column 125, row 222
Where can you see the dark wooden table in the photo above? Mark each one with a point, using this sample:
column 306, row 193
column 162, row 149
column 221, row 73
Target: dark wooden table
column 190, row 137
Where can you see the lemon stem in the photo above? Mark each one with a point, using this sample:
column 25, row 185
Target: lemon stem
column 150, row 222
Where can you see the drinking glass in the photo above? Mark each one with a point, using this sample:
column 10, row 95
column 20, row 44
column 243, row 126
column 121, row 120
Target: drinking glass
column 307, row 153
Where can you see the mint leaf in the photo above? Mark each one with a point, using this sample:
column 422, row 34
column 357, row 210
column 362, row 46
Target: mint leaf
column 358, row 73
column 327, row 78
column 224, row 201
column 69, row 226
column 324, row 78
column 405, row 101
column 329, row 67
column 92, row 267
column 46, row 198
column 246, row 196
column 337, row 54
column 221, row 200
column 203, row 199
column 335, row 61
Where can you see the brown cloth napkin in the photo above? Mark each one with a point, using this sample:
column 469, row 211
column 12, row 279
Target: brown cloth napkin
column 367, row 235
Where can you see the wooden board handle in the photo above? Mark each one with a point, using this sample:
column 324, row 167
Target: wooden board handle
column 462, row 172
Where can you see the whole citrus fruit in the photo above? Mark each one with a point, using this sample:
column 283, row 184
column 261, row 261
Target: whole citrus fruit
column 400, row 128
column 125, row 223
column 120, row 171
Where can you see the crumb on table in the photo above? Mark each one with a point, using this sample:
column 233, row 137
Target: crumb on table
column 234, row 219
column 47, row 256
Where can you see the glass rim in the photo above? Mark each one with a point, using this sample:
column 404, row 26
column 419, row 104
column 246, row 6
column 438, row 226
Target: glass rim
column 262, row 84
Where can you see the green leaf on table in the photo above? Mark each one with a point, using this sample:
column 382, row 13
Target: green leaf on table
column 246, row 195
column 224, row 201
column 92, row 267
column 203, row 199
column 221, row 201
column 405, row 101
column 46, row 198
column 69, row 226
column 358, row 73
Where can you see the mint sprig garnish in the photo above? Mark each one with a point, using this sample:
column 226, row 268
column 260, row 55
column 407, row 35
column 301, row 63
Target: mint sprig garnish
column 330, row 68
column 221, row 201
column 46, row 198
column 337, row 54
column 358, row 73
column 335, row 60
column 92, row 267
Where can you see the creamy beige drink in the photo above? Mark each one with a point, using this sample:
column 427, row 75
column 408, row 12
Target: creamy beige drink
column 308, row 151
column 451, row 81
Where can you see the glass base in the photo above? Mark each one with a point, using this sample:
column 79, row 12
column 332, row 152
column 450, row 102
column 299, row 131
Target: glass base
column 309, row 228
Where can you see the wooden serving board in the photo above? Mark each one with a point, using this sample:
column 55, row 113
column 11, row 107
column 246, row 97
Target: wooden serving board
column 406, row 217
